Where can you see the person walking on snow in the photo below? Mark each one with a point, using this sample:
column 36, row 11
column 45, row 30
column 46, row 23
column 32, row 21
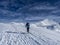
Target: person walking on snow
column 27, row 27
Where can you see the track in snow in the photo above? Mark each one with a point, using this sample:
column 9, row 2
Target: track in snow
column 14, row 38
column 22, row 38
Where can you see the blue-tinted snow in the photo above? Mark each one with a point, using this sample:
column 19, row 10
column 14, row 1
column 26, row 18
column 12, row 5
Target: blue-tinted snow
column 15, row 34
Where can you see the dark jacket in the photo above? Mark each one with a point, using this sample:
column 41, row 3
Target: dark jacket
column 27, row 25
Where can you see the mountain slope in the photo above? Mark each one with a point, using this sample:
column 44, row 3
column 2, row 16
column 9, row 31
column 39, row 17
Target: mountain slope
column 15, row 34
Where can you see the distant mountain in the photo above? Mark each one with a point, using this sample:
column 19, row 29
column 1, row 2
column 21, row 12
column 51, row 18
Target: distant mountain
column 46, row 22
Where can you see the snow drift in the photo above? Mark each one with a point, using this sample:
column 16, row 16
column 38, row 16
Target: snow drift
column 15, row 34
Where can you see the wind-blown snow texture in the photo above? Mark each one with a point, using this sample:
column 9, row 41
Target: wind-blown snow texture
column 15, row 34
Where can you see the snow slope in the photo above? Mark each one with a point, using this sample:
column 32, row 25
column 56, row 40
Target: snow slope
column 46, row 22
column 15, row 34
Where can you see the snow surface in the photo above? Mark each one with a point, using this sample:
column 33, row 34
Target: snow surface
column 47, row 22
column 15, row 34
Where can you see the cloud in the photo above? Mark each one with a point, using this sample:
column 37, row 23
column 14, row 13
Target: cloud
column 43, row 6
column 56, row 11
column 36, row 12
